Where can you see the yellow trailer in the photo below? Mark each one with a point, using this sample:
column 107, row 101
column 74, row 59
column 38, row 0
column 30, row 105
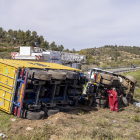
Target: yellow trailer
column 14, row 75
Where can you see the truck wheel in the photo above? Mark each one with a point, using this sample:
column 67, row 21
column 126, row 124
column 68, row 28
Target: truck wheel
column 106, row 82
column 98, row 105
column 95, row 105
column 52, row 111
column 106, row 76
column 124, row 83
column 124, row 100
column 71, row 75
column 57, row 74
column 132, row 79
column 64, row 108
column 100, row 101
column 42, row 75
column 82, row 80
column 116, row 81
column 34, row 115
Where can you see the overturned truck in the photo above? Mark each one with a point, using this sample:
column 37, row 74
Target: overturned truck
column 32, row 90
column 100, row 80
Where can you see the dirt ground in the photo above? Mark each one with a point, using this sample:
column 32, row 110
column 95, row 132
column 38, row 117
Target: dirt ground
column 83, row 123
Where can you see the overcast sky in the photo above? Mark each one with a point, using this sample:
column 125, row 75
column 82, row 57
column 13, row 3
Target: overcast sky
column 78, row 24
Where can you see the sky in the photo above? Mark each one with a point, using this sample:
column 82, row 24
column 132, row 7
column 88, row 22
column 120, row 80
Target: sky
column 78, row 24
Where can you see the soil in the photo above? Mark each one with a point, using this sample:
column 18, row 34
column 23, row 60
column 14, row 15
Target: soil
column 81, row 123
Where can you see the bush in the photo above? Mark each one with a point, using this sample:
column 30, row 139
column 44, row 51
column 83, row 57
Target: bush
column 136, row 118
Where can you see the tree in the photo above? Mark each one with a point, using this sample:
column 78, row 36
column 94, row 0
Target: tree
column 83, row 52
column 2, row 34
column 60, row 48
column 27, row 36
column 34, row 38
column 40, row 40
column 44, row 45
column 20, row 37
column 73, row 50
column 10, row 36
column 67, row 50
column 53, row 46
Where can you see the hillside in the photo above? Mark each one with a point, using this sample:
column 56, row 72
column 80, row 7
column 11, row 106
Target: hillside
column 113, row 56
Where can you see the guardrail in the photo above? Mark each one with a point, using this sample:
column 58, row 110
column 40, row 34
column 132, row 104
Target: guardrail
column 115, row 68
column 120, row 71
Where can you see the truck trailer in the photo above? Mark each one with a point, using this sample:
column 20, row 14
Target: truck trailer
column 32, row 90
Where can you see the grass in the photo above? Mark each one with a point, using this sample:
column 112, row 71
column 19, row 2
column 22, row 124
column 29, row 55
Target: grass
column 136, row 118
column 135, row 74
column 5, row 121
column 79, row 124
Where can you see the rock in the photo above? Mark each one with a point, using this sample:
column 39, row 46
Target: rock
column 54, row 137
column 49, row 122
column 136, row 104
column 29, row 128
column 3, row 135
column 12, row 119
column 114, row 121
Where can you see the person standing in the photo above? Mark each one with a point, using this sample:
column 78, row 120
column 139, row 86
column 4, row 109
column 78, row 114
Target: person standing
column 113, row 99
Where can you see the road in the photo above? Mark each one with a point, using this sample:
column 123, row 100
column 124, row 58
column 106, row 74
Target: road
column 122, row 69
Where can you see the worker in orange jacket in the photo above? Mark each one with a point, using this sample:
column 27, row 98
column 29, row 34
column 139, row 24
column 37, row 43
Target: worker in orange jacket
column 113, row 99
column 110, row 97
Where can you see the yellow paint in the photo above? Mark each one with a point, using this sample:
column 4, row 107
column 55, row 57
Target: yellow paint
column 8, row 72
column 35, row 64
column 21, row 92
column 7, row 82
column 98, row 78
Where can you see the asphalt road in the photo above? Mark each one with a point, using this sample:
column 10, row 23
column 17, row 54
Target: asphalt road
column 122, row 69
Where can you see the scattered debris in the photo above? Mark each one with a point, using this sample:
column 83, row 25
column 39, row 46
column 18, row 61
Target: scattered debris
column 29, row 128
column 136, row 104
column 53, row 137
column 3, row 135
column 114, row 121
column 49, row 122
column 12, row 119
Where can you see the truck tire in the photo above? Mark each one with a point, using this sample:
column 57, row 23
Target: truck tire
column 124, row 100
column 64, row 108
column 71, row 75
column 52, row 111
column 57, row 74
column 100, row 101
column 34, row 115
column 82, row 80
column 95, row 105
column 42, row 75
column 106, row 76
column 116, row 81
column 132, row 79
column 124, row 83
column 98, row 105
column 106, row 82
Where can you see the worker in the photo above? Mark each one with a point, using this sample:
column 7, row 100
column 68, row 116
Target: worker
column 113, row 99
column 110, row 97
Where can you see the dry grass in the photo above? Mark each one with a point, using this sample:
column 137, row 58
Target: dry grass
column 86, row 123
